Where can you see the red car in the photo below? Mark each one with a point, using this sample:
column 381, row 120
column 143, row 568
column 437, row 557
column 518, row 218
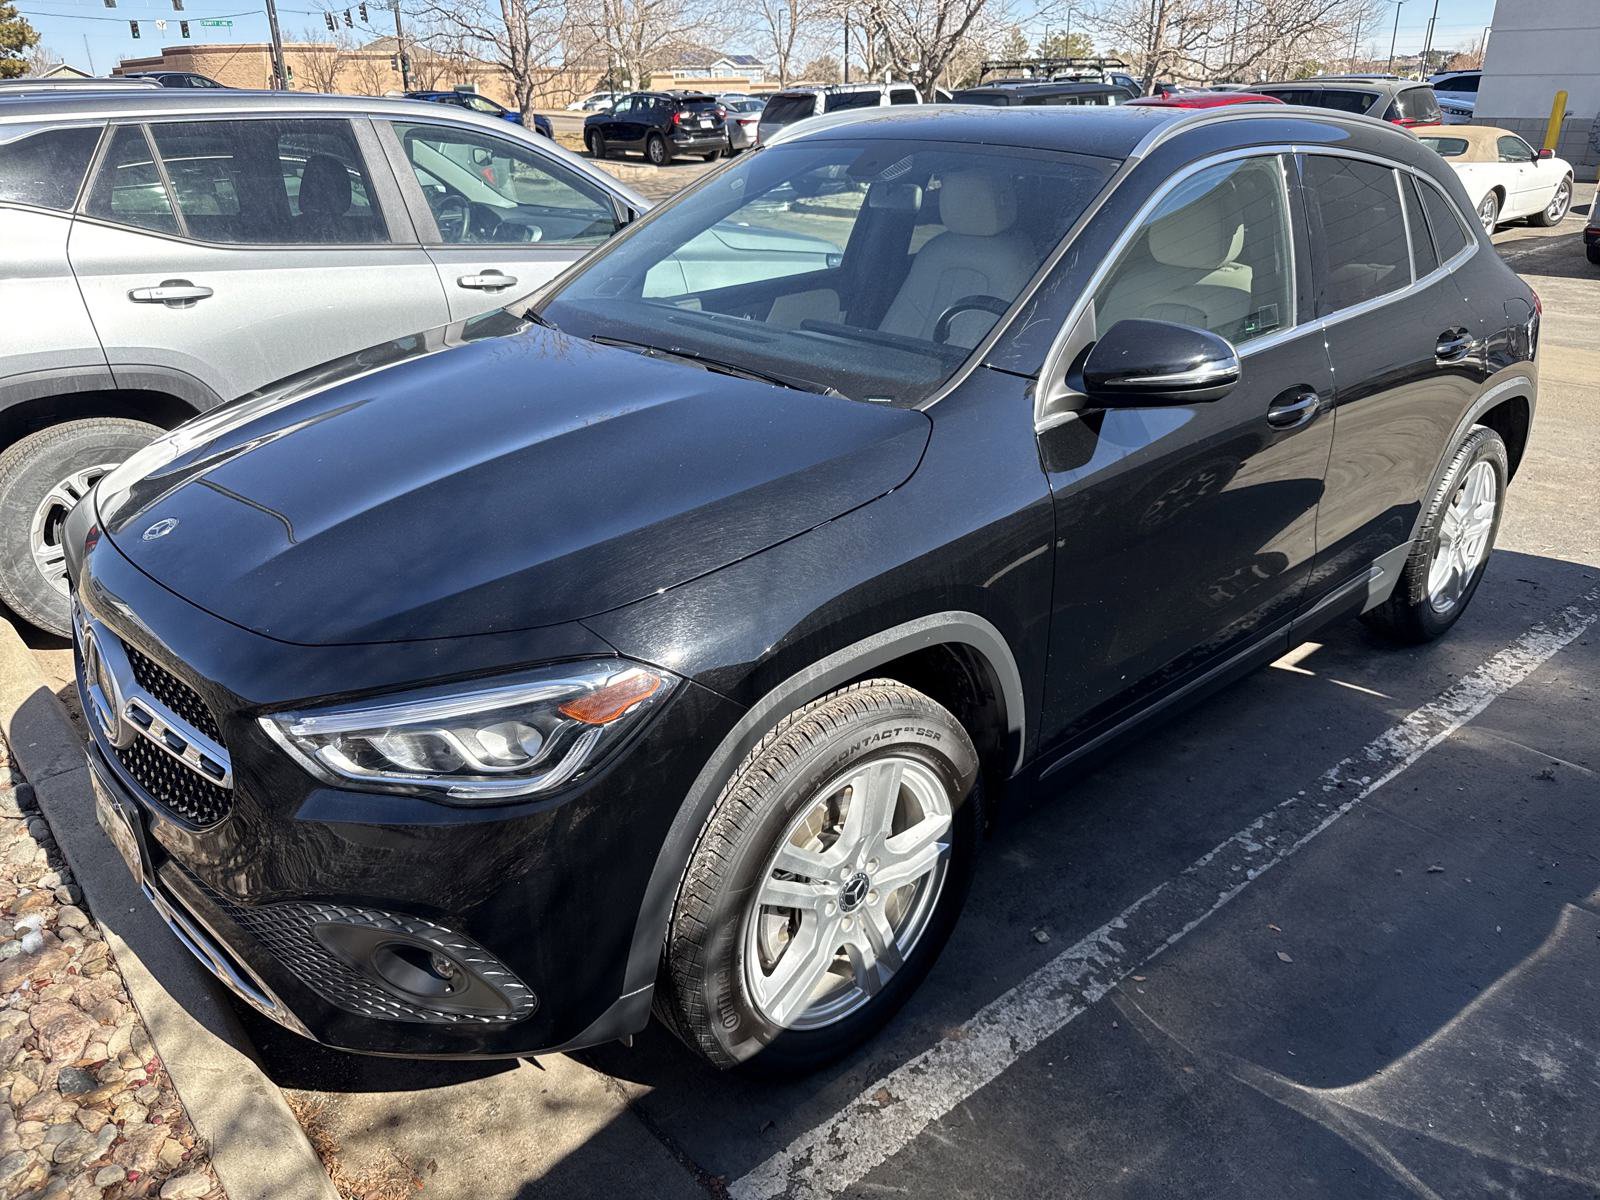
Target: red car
column 1204, row 99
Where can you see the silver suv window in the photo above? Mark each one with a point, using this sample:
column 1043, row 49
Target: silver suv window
column 128, row 188
column 46, row 168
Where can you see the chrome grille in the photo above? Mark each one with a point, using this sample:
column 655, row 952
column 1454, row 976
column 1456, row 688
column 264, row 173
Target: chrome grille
column 177, row 695
column 172, row 784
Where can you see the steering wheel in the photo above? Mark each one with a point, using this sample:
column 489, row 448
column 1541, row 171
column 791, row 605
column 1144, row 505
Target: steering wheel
column 452, row 213
column 988, row 304
column 512, row 231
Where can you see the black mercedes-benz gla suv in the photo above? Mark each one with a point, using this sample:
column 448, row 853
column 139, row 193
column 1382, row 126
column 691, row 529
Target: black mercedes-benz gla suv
column 661, row 642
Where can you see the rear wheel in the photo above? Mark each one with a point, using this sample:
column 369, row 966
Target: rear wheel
column 1593, row 252
column 1489, row 213
column 655, row 149
column 1439, row 579
column 715, row 154
column 1554, row 212
column 41, row 478
column 825, row 881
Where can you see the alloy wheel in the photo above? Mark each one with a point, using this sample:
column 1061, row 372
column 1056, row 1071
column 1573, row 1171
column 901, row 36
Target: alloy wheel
column 44, row 536
column 1558, row 206
column 848, row 892
column 1489, row 213
column 1464, row 530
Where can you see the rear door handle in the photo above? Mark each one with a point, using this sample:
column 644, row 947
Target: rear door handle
column 177, row 293
column 488, row 281
column 1453, row 346
column 1294, row 407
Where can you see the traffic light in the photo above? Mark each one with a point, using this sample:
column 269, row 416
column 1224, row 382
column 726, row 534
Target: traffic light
column 183, row 28
column 177, row 5
column 362, row 9
column 327, row 18
column 348, row 23
column 111, row 3
column 134, row 25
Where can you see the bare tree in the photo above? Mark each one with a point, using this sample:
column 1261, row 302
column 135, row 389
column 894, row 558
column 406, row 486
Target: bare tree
column 320, row 60
column 822, row 69
column 786, row 29
column 631, row 38
column 520, row 38
column 917, row 40
column 371, row 66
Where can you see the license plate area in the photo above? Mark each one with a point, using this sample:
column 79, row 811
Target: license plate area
column 123, row 826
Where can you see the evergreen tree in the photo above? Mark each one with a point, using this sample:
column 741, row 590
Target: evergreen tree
column 17, row 37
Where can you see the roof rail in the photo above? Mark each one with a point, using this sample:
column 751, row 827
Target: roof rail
column 1245, row 112
column 1041, row 68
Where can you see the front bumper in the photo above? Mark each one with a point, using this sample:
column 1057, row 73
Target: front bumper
column 547, row 893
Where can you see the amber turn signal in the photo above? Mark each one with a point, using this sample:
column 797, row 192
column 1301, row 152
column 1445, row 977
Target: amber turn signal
column 619, row 694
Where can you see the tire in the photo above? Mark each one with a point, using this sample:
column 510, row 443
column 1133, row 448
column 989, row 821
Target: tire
column 655, row 150
column 1489, row 213
column 1556, row 211
column 791, row 790
column 716, row 154
column 40, row 477
column 1593, row 252
column 596, row 143
column 1424, row 603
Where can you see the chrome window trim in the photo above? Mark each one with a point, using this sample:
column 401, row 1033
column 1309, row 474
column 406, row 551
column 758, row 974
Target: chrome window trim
column 1405, row 223
column 1053, row 369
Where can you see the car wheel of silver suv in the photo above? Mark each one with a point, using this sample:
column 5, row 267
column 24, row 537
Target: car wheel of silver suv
column 41, row 478
column 825, row 881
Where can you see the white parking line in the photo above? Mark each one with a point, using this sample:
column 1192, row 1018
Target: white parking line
column 892, row 1111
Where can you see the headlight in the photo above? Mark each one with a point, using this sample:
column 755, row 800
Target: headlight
column 484, row 744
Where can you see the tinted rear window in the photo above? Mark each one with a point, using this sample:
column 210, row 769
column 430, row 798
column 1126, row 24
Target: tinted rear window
column 993, row 99
column 1416, row 104
column 46, row 168
column 786, row 110
column 839, row 101
column 1446, row 147
column 1363, row 231
column 699, row 103
column 1350, row 102
column 1449, row 237
column 1466, row 85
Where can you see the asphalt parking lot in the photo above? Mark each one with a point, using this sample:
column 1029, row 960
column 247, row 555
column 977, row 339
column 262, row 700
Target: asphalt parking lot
column 1336, row 932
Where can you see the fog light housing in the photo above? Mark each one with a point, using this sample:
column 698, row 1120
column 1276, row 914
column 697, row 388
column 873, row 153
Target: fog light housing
column 438, row 974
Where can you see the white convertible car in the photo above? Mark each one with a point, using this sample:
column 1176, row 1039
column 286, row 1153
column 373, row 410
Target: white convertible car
column 1506, row 177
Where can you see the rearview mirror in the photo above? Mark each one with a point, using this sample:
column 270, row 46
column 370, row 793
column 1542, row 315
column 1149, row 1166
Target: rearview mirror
column 1144, row 364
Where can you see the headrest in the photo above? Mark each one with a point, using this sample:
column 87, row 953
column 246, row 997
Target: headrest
column 1202, row 235
column 977, row 204
column 325, row 187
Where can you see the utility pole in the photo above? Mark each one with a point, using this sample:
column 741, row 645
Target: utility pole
column 846, row 60
column 280, row 77
column 88, row 53
column 400, row 45
column 1427, row 45
column 1394, row 37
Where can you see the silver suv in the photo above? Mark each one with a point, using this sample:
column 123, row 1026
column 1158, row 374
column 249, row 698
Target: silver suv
column 169, row 250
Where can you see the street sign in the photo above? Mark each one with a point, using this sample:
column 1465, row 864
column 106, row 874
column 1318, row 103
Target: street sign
column 217, row 24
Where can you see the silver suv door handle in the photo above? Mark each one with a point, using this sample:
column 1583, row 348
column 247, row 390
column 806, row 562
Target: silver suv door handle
column 489, row 281
column 179, row 293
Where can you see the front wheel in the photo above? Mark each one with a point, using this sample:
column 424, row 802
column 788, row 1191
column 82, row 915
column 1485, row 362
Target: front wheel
column 825, row 882
column 1489, row 213
column 655, row 149
column 1447, row 563
column 596, row 143
column 1554, row 212
column 41, row 478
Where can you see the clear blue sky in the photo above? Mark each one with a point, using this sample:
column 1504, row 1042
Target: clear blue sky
column 86, row 32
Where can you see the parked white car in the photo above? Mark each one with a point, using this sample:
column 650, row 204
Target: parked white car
column 1506, row 177
column 1458, row 94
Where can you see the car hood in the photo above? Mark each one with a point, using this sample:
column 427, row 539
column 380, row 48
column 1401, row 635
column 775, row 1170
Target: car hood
column 475, row 480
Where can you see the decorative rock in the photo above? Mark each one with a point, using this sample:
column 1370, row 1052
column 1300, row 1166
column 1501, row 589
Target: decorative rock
column 75, row 1147
column 171, row 1155
column 23, row 1089
column 69, row 893
column 186, row 1187
column 106, row 1176
column 63, row 1030
column 127, row 1112
column 30, row 1134
column 74, row 1081
column 13, row 1165
column 119, row 1043
column 72, row 917
column 31, row 965
column 92, row 1119
column 147, row 1093
column 141, row 1150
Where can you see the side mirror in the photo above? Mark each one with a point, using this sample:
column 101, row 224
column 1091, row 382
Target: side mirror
column 1145, row 364
column 1546, row 153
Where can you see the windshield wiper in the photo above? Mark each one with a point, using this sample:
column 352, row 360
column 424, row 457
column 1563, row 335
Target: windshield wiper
column 706, row 362
column 538, row 318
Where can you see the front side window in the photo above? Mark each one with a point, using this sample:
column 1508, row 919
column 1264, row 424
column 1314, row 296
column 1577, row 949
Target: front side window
column 45, row 168
column 902, row 96
column 486, row 190
column 869, row 267
column 1515, row 150
column 1363, row 231
column 480, row 104
column 128, row 188
column 253, row 183
column 1215, row 254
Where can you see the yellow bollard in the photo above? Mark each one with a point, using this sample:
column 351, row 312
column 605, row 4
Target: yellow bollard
column 1552, row 131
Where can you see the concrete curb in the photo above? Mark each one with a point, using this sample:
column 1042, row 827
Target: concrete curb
column 257, row 1148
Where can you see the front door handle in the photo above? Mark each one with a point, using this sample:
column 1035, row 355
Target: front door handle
column 1453, row 346
column 1294, row 407
column 488, row 281
column 174, row 293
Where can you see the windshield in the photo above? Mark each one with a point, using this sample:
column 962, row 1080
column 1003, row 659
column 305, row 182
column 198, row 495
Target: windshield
column 786, row 110
column 864, row 267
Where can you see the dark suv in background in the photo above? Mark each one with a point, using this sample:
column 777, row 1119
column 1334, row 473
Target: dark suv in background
column 1388, row 98
column 659, row 125
column 661, row 643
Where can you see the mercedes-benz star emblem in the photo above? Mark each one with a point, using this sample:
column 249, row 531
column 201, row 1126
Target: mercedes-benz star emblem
column 160, row 529
column 853, row 892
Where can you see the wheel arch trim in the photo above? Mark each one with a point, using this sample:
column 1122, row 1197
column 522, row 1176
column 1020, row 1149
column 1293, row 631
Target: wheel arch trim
column 820, row 678
column 1518, row 386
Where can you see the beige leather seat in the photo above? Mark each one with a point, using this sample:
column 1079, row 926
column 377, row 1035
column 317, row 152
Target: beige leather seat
column 1190, row 275
column 978, row 254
